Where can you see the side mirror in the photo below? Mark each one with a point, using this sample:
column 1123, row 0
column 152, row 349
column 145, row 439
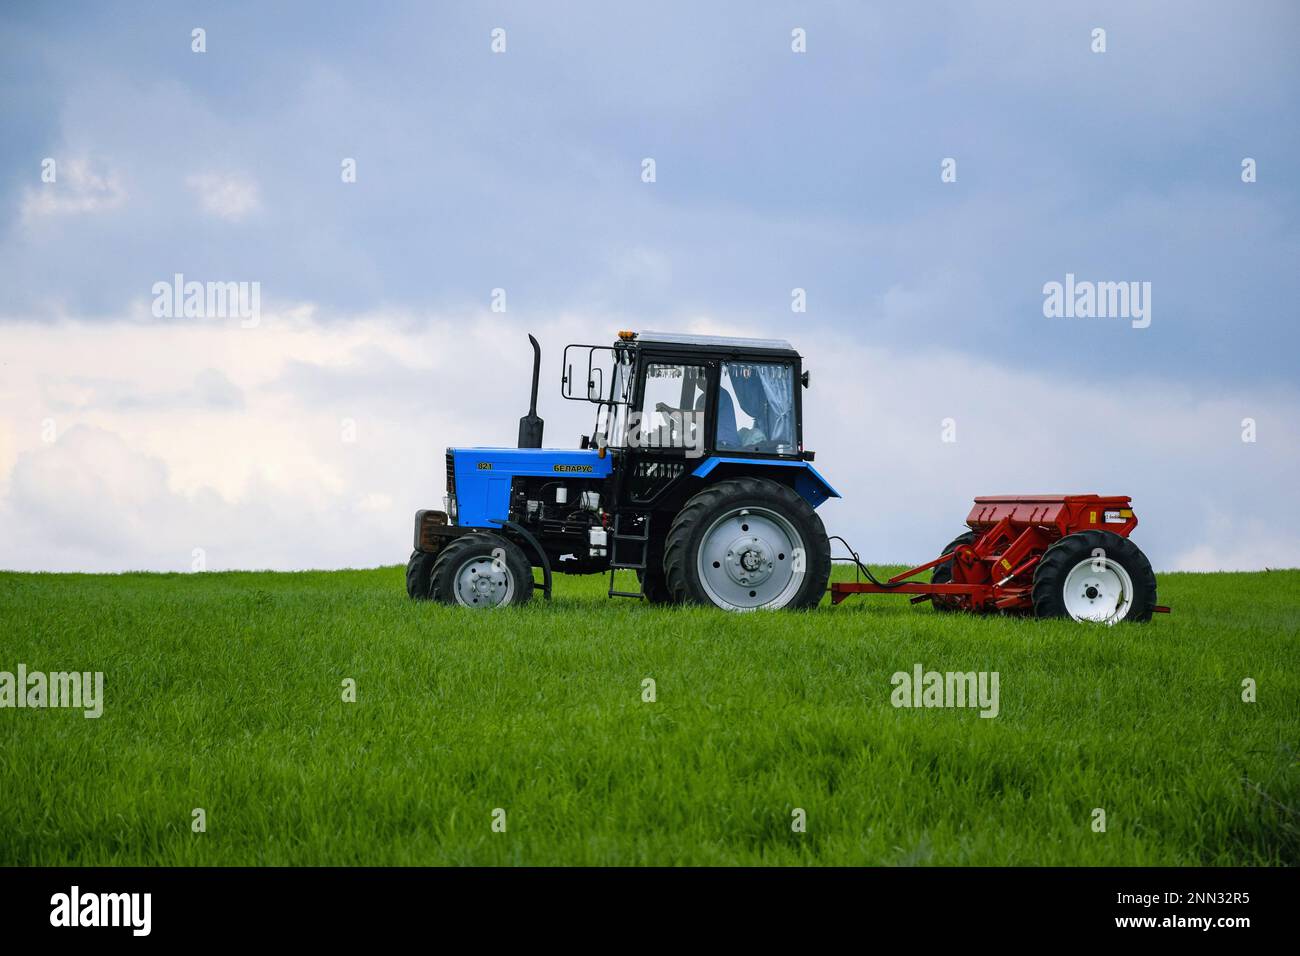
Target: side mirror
column 804, row 379
column 597, row 356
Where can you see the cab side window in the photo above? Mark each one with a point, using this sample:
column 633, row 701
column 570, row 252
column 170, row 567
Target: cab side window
column 756, row 407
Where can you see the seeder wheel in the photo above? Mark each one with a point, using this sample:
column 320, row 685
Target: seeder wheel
column 1095, row 576
column 942, row 574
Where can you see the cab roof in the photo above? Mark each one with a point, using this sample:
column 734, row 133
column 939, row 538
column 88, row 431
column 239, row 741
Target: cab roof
column 713, row 341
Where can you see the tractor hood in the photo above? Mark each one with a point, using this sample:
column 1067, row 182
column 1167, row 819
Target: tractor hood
column 586, row 463
column 479, row 478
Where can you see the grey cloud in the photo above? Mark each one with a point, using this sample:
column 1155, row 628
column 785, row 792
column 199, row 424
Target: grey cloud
column 211, row 390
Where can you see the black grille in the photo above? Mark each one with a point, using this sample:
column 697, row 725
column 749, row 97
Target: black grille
column 451, row 473
column 659, row 469
column 652, row 477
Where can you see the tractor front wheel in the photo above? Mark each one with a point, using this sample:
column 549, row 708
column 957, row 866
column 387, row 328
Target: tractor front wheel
column 481, row 570
column 1095, row 576
column 419, row 571
column 745, row 544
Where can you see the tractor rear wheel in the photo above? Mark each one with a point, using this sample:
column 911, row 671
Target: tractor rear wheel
column 745, row 544
column 1095, row 576
column 419, row 572
column 942, row 574
column 481, row 570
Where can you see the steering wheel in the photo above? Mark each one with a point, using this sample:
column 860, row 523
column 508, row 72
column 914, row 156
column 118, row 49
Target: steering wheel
column 677, row 419
column 663, row 408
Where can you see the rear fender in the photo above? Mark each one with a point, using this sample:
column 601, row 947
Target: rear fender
column 805, row 479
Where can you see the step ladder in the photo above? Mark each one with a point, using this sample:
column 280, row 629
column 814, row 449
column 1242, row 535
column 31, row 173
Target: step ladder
column 637, row 543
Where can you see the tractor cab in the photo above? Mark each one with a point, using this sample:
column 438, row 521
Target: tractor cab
column 673, row 395
column 673, row 406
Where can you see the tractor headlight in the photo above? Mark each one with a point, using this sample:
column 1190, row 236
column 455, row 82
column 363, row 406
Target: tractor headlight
column 449, row 506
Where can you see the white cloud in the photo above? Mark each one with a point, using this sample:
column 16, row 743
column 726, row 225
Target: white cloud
column 876, row 419
column 77, row 189
column 1242, row 542
column 229, row 196
column 375, row 501
column 199, row 434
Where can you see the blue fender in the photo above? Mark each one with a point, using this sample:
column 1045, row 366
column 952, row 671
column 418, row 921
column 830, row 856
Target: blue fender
column 809, row 483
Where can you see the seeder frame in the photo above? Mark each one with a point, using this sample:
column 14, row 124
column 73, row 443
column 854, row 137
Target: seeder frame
column 1013, row 532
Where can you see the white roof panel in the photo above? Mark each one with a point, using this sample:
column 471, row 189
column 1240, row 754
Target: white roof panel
column 683, row 338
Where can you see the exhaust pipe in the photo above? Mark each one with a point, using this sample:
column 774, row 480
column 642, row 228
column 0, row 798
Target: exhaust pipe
column 530, row 426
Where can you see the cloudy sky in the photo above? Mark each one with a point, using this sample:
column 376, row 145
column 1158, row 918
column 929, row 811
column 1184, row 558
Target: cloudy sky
column 129, row 440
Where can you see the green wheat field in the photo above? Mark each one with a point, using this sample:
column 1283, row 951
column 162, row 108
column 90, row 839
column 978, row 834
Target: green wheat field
column 225, row 692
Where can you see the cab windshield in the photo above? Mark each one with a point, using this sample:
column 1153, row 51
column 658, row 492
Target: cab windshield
column 611, row 415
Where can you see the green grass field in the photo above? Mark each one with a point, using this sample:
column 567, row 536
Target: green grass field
column 224, row 691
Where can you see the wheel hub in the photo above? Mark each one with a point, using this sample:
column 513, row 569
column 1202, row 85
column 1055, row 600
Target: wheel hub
column 1098, row 589
column 747, row 560
column 483, row 582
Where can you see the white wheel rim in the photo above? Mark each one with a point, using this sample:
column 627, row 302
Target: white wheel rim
column 751, row 558
column 1098, row 590
column 482, row 582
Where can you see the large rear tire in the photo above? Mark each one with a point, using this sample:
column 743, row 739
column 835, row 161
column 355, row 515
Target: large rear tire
column 482, row 570
column 745, row 544
column 1095, row 576
column 942, row 574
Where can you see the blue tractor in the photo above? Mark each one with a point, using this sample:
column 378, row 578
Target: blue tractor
column 695, row 477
